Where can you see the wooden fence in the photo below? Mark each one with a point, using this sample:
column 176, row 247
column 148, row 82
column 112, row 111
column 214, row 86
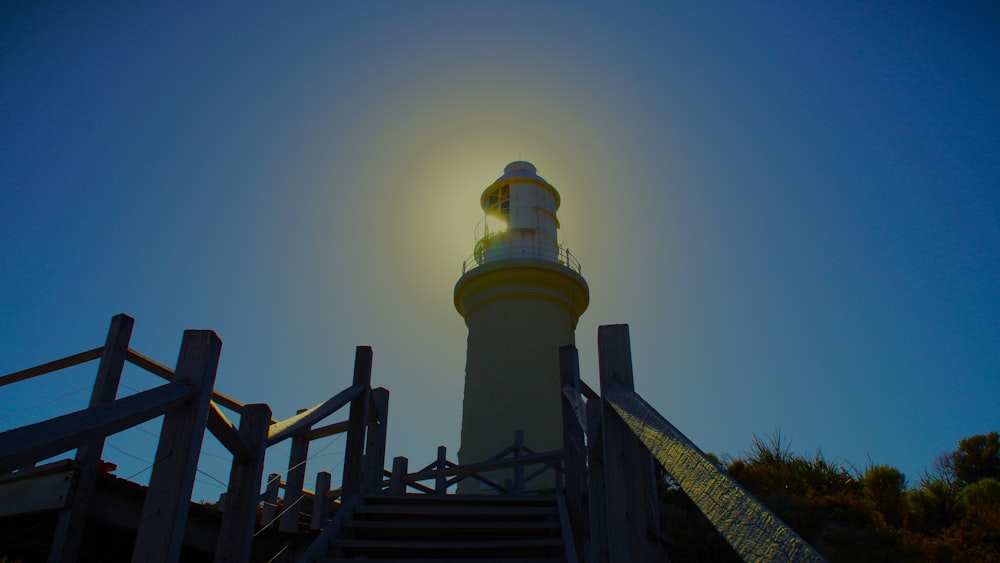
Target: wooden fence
column 604, row 475
column 190, row 406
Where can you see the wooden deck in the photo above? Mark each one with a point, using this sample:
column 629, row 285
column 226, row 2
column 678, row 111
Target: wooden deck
column 32, row 500
column 601, row 508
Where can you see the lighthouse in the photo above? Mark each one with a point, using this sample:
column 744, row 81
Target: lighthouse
column 521, row 294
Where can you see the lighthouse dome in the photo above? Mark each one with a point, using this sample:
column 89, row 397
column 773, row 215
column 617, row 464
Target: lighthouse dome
column 520, row 168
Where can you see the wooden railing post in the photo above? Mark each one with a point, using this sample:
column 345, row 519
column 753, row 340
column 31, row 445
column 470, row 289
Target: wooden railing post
column 397, row 484
column 441, row 481
column 239, row 516
column 69, row 528
column 626, row 460
column 357, row 421
column 573, row 446
column 559, row 469
column 270, row 511
column 375, row 448
column 164, row 513
column 321, row 504
column 596, row 550
column 295, row 479
column 518, row 469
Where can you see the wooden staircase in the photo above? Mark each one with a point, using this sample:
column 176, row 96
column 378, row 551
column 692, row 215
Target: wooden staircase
column 475, row 528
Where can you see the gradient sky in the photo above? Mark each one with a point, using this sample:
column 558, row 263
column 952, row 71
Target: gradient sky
column 794, row 205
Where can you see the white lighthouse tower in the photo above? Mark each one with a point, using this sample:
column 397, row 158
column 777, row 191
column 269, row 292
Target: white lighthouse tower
column 521, row 294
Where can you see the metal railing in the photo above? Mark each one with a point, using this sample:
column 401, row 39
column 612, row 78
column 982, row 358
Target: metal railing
column 514, row 249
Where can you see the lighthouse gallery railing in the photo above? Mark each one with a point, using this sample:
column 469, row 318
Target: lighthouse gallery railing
column 512, row 249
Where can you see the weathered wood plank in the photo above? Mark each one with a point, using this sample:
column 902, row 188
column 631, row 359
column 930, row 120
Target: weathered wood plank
column 164, row 512
column 321, row 502
column 568, row 533
column 397, row 482
column 754, row 532
column 624, row 456
column 484, row 466
column 43, row 491
column 354, row 449
column 156, row 368
column 240, row 515
column 444, row 546
column 532, row 499
column 295, row 478
column 403, row 558
column 27, row 444
column 328, row 430
column 378, row 426
column 450, row 510
column 496, row 487
column 441, row 481
column 518, row 469
column 149, row 364
column 270, row 508
column 284, row 429
column 420, row 527
column 596, row 549
column 227, row 434
column 69, row 528
column 55, row 365
column 49, row 467
column 574, row 448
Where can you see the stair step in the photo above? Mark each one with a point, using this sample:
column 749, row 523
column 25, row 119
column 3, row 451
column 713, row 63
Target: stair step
column 486, row 559
column 435, row 529
column 451, row 548
column 452, row 528
column 441, row 511
column 488, row 500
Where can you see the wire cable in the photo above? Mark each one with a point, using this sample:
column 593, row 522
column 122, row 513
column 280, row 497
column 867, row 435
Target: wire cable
column 45, row 404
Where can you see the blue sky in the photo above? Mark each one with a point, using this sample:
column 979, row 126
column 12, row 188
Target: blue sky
column 795, row 205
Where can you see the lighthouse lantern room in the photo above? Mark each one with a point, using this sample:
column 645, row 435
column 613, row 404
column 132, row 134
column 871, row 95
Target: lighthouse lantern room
column 521, row 295
column 520, row 217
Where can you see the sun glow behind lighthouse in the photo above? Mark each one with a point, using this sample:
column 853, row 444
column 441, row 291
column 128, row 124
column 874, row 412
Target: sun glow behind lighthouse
column 493, row 224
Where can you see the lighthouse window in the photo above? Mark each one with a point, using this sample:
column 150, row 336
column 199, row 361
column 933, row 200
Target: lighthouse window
column 505, row 201
column 498, row 202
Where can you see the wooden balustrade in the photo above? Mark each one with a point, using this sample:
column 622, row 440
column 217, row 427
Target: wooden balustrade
column 190, row 406
column 604, row 473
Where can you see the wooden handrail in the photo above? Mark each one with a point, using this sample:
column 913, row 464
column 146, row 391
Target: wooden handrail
column 149, row 364
column 156, row 368
column 227, row 433
column 471, row 468
column 286, row 428
column 24, row 445
column 56, row 365
column 751, row 528
column 566, row 525
column 328, row 430
column 422, row 488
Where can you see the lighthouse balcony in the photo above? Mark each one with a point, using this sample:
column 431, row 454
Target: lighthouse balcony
column 498, row 248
